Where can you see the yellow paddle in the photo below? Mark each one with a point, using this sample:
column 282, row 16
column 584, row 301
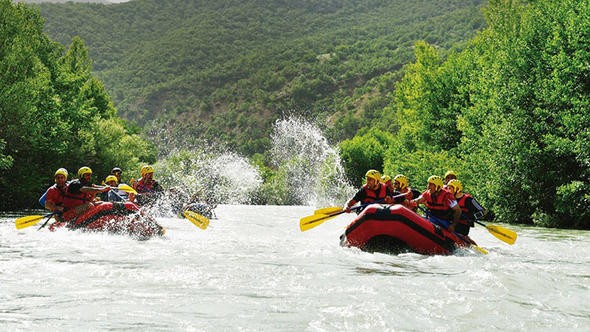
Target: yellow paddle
column 480, row 249
column 314, row 220
column 28, row 221
column 197, row 219
column 328, row 210
column 323, row 214
column 504, row 234
column 127, row 188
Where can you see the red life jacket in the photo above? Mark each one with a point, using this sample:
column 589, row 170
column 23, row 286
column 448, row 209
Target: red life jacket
column 72, row 200
column 409, row 203
column 375, row 195
column 141, row 187
column 439, row 205
column 56, row 195
column 464, row 209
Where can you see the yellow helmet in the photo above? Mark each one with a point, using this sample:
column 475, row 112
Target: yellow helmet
column 61, row 171
column 385, row 178
column 437, row 181
column 402, row 179
column 451, row 173
column 456, row 185
column 111, row 178
column 83, row 170
column 373, row 174
column 146, row 170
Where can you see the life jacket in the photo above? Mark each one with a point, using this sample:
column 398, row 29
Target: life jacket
column 72, row 200
column 374, row 195
column 438, row 205
column 465, row 213
column 55, row 194
column 408, row 202
column 141, row 187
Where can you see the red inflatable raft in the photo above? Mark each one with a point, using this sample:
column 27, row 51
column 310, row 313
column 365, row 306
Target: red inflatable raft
column 395, row 229
column 118, row 218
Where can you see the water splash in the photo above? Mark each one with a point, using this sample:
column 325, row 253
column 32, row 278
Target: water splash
column 205, row 176
column 312, row 168
column 306, row 171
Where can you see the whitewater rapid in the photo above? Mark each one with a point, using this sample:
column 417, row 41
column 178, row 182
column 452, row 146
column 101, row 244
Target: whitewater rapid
column 252, row 269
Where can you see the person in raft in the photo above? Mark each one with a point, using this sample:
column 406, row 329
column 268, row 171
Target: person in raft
column 372, row 192
column 442, row 206
column 54, row 197
column 148, row 189
column 401, row 184
column 113, row 194
column 470, row 208
column 449, row 175
column 386, row 179
column 118, row 173
column 80, row 194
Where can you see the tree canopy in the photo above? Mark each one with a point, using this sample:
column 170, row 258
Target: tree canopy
column 509, row 113
column 53, row 112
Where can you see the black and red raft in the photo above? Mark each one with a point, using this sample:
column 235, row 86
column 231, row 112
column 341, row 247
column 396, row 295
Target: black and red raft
column 117, row 218
column 397, row 229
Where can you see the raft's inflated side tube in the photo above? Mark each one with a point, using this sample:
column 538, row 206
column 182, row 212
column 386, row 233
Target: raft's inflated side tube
column 92, row 218
column 117, row 217
column 395, row 229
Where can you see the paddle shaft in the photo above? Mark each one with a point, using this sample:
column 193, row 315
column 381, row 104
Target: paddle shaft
column 48, row 218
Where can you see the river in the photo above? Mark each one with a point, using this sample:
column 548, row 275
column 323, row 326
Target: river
column 252, row 269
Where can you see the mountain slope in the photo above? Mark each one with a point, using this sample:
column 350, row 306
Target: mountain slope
column 226, row 70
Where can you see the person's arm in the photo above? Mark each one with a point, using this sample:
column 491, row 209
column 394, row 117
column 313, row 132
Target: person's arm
column 476, row 211
column 349, row 204
column 456, row 211
column 358, row 197
column 95, row 189
column 51, row 206
column 419, row 200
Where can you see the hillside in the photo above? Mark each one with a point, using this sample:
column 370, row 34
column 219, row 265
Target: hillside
column 226, row 70
column 81, row 1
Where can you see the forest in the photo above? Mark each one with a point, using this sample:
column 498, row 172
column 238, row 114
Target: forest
column 229, row 69
column 499, row 95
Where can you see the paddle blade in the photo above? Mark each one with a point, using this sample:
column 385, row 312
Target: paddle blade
column 312, row 221
column 197, row 219
column 479, row 249
column 504, row 234
column 27, row 221
column 328, row 210
column 127, row 188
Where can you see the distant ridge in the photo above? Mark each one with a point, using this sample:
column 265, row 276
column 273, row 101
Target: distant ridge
column 107, row 2
column 226, row 70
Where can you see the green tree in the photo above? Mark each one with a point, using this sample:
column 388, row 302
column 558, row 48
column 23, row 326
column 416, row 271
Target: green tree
column 364, row 152
column 51, row 110
column 514, row 103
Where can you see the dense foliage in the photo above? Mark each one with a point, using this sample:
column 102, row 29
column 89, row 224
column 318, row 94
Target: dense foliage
column 227, row 69
column 53, row 112
column 509, row 113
